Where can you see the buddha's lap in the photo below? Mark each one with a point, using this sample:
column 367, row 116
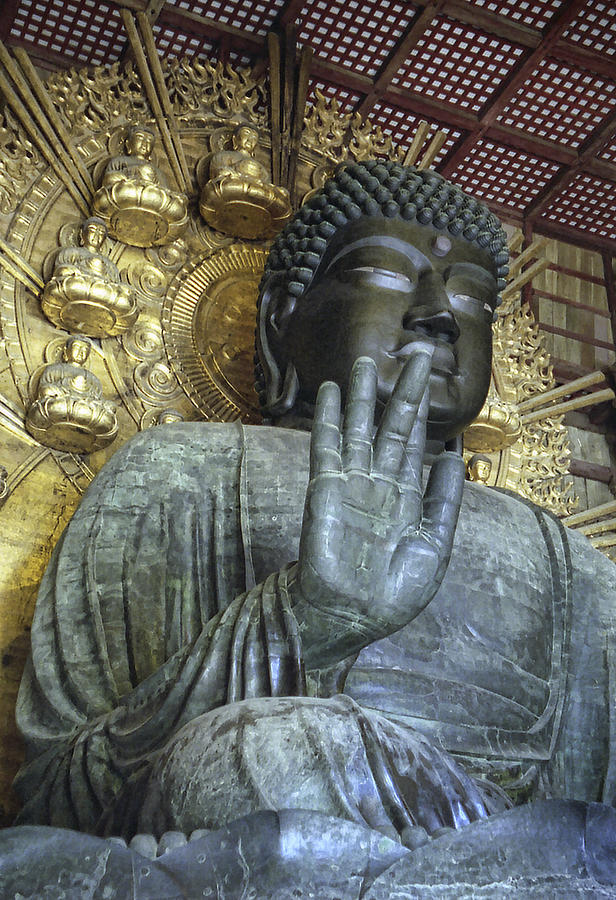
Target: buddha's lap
column 328, row 755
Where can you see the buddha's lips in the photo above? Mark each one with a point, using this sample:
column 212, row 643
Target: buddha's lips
column 443, row 358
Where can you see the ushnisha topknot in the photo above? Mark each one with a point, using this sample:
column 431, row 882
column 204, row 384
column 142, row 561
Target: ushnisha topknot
column 378, row 187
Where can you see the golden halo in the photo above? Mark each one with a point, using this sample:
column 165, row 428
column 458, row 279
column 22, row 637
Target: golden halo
column 208, row 327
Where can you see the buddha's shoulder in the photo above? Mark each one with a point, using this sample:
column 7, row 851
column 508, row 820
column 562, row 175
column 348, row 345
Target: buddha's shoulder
column 203, row 447
column 510, row 520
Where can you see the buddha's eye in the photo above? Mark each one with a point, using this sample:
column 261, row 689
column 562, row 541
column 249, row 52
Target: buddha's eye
column 384, row 278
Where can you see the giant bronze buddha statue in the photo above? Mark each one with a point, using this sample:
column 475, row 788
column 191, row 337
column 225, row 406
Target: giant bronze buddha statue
column 323, row 657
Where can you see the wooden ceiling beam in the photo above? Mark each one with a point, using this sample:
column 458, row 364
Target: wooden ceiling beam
column 507, row 29
column 399, row 55
column 499, row 26
column 204, row 26
column 585, row 159
column 289, row 13
column 511, row 85
column 581, row 58
column 42, row 57
column 552, row 151
column 442, row 113
column 568, row 235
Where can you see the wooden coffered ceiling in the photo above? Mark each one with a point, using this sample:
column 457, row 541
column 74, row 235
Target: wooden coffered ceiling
column 525, row 89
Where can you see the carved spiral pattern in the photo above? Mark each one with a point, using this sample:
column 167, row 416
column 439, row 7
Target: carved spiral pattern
column 145, row 341
column 156, row 383
column 148, row 278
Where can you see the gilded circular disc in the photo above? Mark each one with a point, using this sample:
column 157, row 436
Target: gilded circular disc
column 242, row 218
column 138, row 227
column 93, row 319
column 208, row 327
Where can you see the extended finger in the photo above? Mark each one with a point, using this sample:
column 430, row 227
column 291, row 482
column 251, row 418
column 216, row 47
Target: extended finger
column 359, row 416
column 442, row 501
column 401, row 412
column 325, row 437
column 411, row 465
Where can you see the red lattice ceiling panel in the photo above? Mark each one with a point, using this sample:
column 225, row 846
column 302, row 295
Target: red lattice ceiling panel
column 561, row 103
column 256, row 16
column 503, row 175
column 170, row 43
column 455, row 63
column 587, row 204
column 401, row 125
column 86, row 30
column 533, row 13
column 347, row 99
column 358, row 34
column 595, row 28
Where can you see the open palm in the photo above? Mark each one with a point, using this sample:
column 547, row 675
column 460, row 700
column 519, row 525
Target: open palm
column 374, row 546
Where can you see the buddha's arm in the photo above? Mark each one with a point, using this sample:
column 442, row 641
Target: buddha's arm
column 374, row 546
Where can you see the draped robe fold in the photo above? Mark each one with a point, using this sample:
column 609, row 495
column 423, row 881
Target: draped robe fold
column 165, row 599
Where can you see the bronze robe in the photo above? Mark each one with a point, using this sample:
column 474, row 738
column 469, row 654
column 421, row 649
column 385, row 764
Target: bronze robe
column 163, row 601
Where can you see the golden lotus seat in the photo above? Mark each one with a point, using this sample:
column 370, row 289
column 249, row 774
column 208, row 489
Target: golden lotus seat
column 85, row 293
column 69, row 412
column 134, row 200
column 238, row 198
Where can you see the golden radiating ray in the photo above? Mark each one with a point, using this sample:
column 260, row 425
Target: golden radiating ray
column 514, row 244
column 417, row 143
column 560, row 409
column 17, row 266
column 431, row 151
column 38, row 127
column 587, row 515
column 529, row 252
column 147, row 36
column 153, row 98
column 40, row 92
column 598, row 527
column 49, row 152
column 579, row 384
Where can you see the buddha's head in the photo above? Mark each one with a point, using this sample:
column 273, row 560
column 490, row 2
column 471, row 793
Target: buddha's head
column 140, row 142
column 479, row 468
column 381, row 257
column 77, row 350
column 245, row 138
column 93, row 233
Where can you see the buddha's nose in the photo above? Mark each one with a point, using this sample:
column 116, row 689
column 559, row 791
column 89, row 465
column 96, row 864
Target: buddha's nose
column 431, row 313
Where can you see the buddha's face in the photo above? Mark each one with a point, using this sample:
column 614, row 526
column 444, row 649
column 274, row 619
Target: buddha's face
column 140, row 143
column 245, row 139
column 480, row 470
column 93, row 235
column 77, row 352
column 382, row 286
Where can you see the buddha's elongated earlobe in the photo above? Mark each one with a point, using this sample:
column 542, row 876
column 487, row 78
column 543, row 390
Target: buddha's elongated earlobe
column 277, row 381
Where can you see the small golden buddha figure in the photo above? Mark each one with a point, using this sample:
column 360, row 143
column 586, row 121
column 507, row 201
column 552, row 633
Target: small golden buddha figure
column 85, row 293
column 69, row 412
column 479, row 468
column 238, row 198
column 134, row 199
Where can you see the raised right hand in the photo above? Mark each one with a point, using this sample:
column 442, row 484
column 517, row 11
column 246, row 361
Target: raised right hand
column 374, row 547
